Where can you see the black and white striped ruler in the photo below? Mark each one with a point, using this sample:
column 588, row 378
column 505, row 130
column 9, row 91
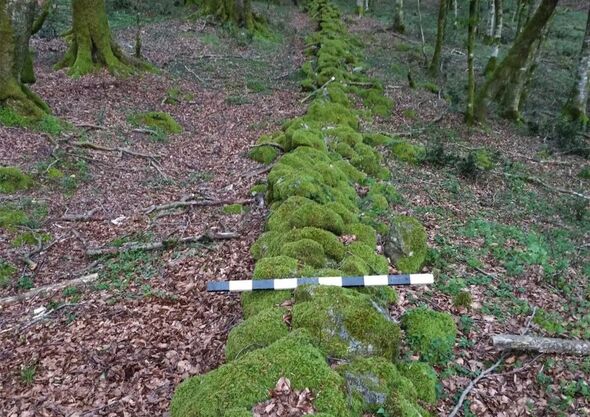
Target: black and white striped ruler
column 292, row 283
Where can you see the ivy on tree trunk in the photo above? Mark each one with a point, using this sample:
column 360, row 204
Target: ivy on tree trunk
column 16, row 23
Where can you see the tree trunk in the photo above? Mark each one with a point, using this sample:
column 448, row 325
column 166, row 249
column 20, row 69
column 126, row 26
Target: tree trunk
column 575, row 109
column 473, row 18
column 455, row 7
column 398, row 17
column 360, row 9
column 497, row 39
column 505, row 76
column 440, row 37
column 238, row 12
column 491, row 20
column 92, row 45
column 16, row 24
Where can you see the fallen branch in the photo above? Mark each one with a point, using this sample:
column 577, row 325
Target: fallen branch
column 49, row 288
column 164, row 244
column 146, row 131
column 90, row 145
column 472, row 385
column 313, row 93
column 537, row 181
column 80, row 217
column 541, row 344
column 196, row 203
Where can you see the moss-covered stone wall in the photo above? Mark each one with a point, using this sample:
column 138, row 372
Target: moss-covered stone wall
column 327, row 192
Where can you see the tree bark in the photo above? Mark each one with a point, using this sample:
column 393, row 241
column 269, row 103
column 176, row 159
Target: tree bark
column 473, row 17
column 360, row 9
column 92, row 45
column 440, row 37
column 497, row 37
column 506, row 74
column 575, row 109
column 491, row 20
column 16, row 24
column 238, row 12
column 541, row 344
column 398, row 17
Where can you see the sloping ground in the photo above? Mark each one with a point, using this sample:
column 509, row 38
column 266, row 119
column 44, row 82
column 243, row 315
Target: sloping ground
column 515, row 246
column 122, row 344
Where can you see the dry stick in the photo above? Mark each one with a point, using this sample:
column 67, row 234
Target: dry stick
column 195, row 74
column 80, row 217
column 54, row 287
column 196, row 203
column 313, row 93
column 541, row 183
column 488, row 371
column 164, row 244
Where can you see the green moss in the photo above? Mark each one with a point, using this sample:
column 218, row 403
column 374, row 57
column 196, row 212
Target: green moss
column 377, row 264
column 585, row 173
column 7, row 271
column 306, row 251
column 263, row 154
column 345, row 150
column 10, row 217
column 376, row 139
column 274, row 267
column 431, row 334
column 351, row 172
column 462, row 299
column 406, row 244
column 13, row 179
column 305, row 137
column 233, row 209
column 345, row 323
column 364, row 233
column 378, row 201
column 332, row 113
column 345, row 213
column 246, row 382
column 423, row 377
column 256, row 332
column 377, row 102
column 299, row 212
column 161, row 121
column 407, row 152
column 30, row 238
column 54, row 174
column 367, row 159
column 257, row 189
column 370, row 382
column 337, row 95
column 237, row 412
column 399, row 406
column 330, row 244
column 343, row 134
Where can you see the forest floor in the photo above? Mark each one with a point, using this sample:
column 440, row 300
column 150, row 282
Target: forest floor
column 122, row 344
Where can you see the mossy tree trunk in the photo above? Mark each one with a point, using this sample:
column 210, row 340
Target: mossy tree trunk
column 16, row 24
column 238, row 12
column 440, row 37
column 360, row 7
column 472, row 28
column 491, row 20
column 398, row 17
column 92, row 45
column 506, row 76
column 497, row 37
column 576, row 109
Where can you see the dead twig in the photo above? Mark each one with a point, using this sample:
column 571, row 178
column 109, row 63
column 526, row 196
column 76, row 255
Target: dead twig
column 49, row 288
column 164, row 244
column 196, row 203
column 271, row 144
column 313, row 93
column 537, row 181
column 80, row 217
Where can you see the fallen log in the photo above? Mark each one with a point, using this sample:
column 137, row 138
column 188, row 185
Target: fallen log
column 196, row 203
column 541, row 344
column 164, row 244
column 49, row 288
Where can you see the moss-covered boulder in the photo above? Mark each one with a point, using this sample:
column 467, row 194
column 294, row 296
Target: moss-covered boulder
column 371, row 381
column 423, row 377
column 273, row 267
column 407, row 152
column 13, row 179
column 345, row 323
column 256, row 332
column 406, row 244
column 300, row 212
column 245, row 382
column 161, row 121
column 430, row 334
column 264, row 154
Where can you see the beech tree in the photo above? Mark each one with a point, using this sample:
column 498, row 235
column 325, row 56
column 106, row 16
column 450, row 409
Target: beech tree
column 505, row 84
column 472, row 27
column 496, row 36
column 238, row 12
column 575, row 109
column 91, row 43
column 17, row 18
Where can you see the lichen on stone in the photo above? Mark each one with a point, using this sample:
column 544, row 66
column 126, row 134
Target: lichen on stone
column 406, row 244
